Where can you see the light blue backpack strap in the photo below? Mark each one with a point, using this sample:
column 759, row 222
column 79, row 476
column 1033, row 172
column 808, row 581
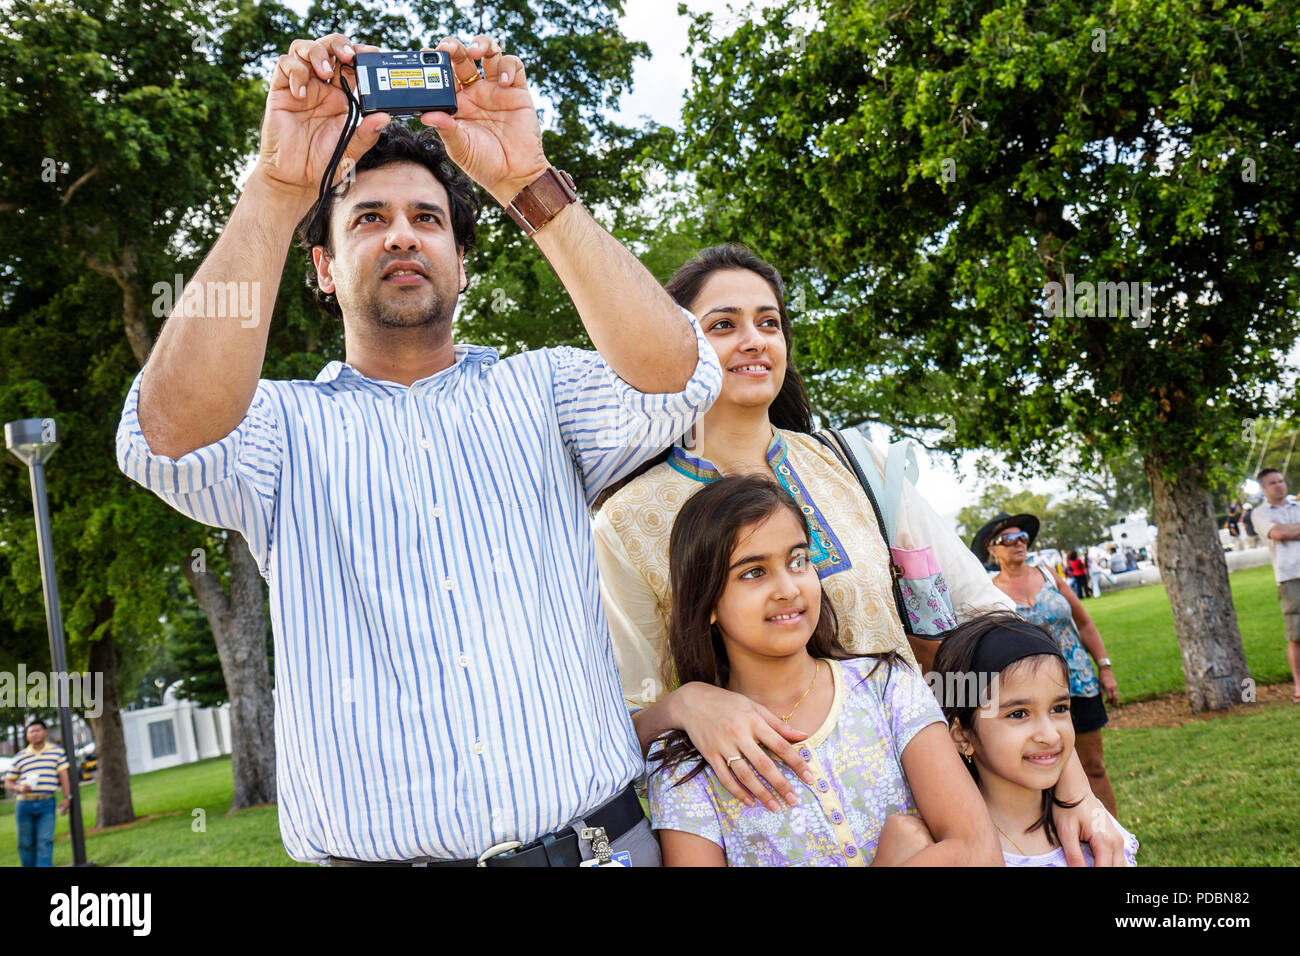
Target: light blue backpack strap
column 861, row 449
column 900, row 466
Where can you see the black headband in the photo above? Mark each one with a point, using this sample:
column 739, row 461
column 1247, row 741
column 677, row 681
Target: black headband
column 1000, row 647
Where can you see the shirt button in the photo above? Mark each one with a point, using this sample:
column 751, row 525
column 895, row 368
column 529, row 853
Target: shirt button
column 850, row 850
column 437, row 511
column 448, row 584
column 823, row 786
column 478, row 747
column 424, row 443
column 806, row 754
column 463, row 660
column 837, row 817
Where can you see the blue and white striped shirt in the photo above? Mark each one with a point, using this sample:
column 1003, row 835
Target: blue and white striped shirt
column 444, row 674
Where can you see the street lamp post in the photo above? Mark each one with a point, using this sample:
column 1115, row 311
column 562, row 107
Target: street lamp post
column 33, row 441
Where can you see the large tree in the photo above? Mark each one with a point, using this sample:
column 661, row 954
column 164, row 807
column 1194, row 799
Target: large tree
column 135, row 123
column 926, row 168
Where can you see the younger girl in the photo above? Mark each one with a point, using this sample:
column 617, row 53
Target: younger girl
column 749, row 615
column 1006, row 694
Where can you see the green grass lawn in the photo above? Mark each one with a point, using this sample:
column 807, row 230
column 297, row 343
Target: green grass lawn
column 171, row 834
column 1221, row 792
column 1216, row 792
column 1138, row 628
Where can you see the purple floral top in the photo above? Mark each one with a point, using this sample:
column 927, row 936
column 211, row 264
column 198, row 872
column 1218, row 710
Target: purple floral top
column 856, row 758
column 1056, row 857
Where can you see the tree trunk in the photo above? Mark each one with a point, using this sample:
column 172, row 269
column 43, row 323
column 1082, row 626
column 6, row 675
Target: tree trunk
column 238, row 623
column 1195, row 576
column 114, row 800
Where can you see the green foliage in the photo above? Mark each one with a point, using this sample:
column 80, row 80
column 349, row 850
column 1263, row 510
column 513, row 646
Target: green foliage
column 137, row 122
column 1074, row 520
column 928, row 165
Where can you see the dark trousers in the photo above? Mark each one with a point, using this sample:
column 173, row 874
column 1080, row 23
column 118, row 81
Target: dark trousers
column 35, row 819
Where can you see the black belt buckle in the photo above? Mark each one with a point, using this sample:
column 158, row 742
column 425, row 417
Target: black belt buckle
column 616, row 818
column 611, row 822
column 552, row 849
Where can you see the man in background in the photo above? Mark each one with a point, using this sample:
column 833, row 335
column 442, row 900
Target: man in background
column 1278, row 520
column 38, row 773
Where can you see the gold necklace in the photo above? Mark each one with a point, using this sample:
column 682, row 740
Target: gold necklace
column 786, row 718
column 1009, row 840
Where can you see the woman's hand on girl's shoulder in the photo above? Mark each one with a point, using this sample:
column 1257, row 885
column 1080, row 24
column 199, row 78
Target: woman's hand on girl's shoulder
column 723, row 724
column 1088, row 823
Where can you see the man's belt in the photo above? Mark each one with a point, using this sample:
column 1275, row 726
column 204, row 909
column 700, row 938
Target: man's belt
column 37, row 796
column 561, row 848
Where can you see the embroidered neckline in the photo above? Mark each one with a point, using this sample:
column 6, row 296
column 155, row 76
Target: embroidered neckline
column 704, row 471
column 828, row 555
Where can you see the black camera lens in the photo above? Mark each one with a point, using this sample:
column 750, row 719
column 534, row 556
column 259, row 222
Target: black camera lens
column 428, row 57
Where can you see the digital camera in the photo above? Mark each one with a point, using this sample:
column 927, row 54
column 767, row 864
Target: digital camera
column 405, row 83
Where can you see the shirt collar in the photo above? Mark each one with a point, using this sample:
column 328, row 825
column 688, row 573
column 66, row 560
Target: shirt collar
column 703, row 470
column 465, row 355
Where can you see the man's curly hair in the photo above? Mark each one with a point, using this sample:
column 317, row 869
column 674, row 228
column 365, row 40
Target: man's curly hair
column 397, row 143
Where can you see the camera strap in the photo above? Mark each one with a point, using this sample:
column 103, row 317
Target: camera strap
column 349, row 128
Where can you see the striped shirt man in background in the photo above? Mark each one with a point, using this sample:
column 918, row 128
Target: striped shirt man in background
column 445, row 684
column 37, row 775
column 1277, row 518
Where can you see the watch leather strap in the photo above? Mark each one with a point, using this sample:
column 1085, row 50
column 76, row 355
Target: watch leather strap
column 541, row 200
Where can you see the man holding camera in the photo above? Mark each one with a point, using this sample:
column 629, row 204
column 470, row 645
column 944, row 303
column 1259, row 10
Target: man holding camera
column 446, row 693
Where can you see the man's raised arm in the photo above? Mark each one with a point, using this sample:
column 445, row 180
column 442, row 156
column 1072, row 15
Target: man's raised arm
column 203, row 371
column 496, row 139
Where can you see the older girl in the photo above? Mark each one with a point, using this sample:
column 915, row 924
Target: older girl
column 749, row 614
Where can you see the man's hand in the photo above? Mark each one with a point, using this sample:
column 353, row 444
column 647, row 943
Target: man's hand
column 495, row 136
column 306, row 111
column 723, row 724
column 64, row 805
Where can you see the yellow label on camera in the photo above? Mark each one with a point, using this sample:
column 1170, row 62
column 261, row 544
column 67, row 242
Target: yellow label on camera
column 406, row 79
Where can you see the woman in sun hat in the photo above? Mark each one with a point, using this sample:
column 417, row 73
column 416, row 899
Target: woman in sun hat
column 1042, row 598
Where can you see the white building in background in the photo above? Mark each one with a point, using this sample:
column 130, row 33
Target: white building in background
column 176, row 732
column 1133, row 531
